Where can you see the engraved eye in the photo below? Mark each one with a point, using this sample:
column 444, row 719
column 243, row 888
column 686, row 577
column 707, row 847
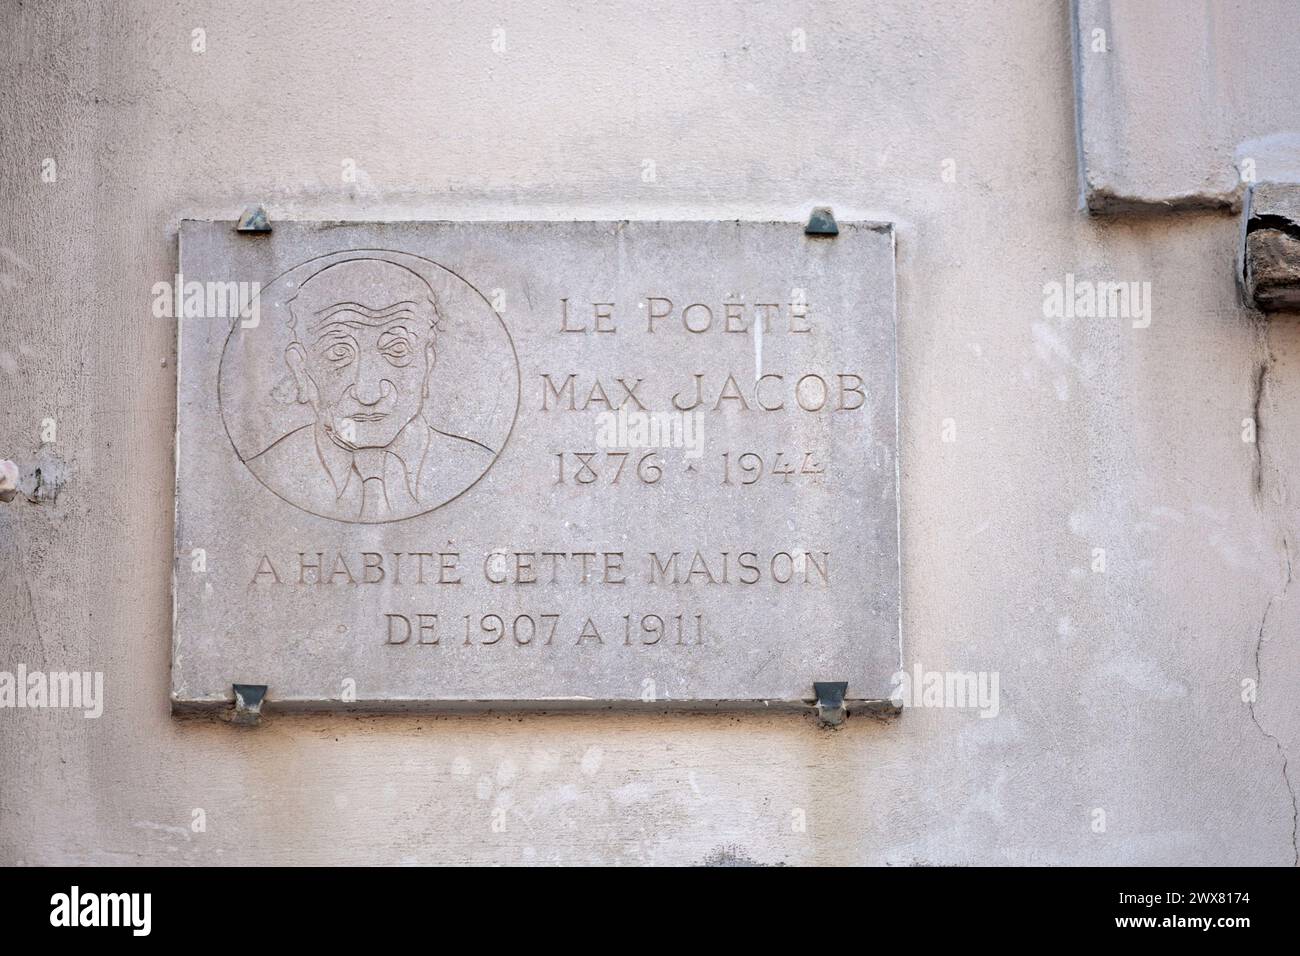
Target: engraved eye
column 339, row 353
column 397, row 350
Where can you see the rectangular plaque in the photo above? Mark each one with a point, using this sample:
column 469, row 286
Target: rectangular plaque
column 438, row 464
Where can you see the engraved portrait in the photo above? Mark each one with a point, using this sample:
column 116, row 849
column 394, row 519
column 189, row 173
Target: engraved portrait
column 391, row 387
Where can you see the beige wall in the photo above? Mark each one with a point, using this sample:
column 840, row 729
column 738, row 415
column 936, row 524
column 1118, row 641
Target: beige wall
column 1120, row 690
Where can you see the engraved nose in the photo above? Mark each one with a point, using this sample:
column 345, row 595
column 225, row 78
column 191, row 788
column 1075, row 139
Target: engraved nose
column 368, row 388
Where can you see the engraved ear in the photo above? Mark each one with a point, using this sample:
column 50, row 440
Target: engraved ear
column 431, row 353
column 296, row 359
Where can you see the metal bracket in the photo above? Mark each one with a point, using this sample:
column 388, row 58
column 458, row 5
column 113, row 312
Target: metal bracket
column 248, row 704
column 254, row 220
column 830, row 701
column 822, row 223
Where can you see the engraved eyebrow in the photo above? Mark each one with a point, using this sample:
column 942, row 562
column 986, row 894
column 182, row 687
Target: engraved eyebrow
column 336, row 330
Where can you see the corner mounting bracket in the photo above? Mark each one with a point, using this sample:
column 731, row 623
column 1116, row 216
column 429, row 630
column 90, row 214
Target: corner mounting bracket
column 248, row 704
column 829, row 701
column 254, row 220
column 822, row 223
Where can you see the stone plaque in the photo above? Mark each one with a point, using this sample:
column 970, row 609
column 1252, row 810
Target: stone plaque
column 432, row 464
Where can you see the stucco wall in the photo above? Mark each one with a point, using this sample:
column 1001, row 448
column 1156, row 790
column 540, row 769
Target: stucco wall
column 1120, row 690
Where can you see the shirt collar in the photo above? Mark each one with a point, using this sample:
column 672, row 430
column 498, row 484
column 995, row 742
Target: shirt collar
column 408, row 448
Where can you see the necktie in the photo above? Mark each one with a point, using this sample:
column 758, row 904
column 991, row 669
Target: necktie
column 369, row 464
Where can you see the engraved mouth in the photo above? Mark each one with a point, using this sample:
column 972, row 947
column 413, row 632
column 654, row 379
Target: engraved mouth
column 369, row 416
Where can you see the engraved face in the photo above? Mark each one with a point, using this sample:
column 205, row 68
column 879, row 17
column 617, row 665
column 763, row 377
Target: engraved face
column 385, row 387
column 363, row 350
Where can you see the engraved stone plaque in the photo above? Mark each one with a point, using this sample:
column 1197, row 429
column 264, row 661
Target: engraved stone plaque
column 435, row 465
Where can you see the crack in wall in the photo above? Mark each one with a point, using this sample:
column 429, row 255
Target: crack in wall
column 1259, row 680
column 1279, row 596
column 1261, row 376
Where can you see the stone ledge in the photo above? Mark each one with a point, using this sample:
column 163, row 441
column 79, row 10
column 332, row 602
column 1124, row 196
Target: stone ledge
column 1270, row 268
